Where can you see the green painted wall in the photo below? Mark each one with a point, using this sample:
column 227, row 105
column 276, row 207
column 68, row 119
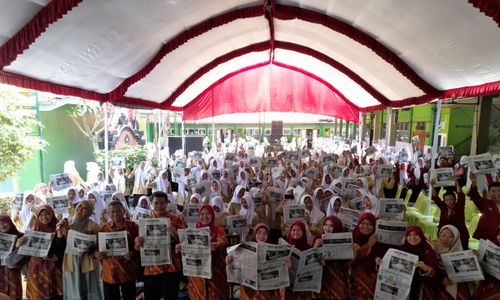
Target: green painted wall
column 65, row 142
column 460, row 129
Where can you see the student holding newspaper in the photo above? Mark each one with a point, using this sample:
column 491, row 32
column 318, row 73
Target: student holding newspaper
column 335, row 283
column 363, row 274
column 163, row 280
column 45, row 273
column 10, row 278
column 416, row 243
column 452, row 211
column 448, row 242
column 217, row 287
column 118, row 272
column 261, row 234
column 489, row 288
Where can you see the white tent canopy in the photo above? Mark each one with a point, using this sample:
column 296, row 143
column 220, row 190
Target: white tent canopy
column 163, row 54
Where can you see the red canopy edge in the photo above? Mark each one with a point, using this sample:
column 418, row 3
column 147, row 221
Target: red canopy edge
column 491, row 8
column 271, row 88
column 21, row 41
column 285, row 12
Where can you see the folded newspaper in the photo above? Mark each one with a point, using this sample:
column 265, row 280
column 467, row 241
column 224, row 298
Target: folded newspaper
column 293, row 213
column 260, row 266
column 443, row 177
column 395, row 275
column 489, row 257
column 196, row 254
column 482, row 164
column 156, row 249
column 113, row 243
column 392, row 209
column 462, row 266
column 390, row 232
column 7, row 242
column 78, row 242
column 37, row 244
column 337, row 246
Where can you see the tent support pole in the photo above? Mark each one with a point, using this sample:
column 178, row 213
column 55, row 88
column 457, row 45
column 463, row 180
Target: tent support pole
column 183, row 138
column 434, row 145
column 106, row 147
column 388, row 126
column 360, row 135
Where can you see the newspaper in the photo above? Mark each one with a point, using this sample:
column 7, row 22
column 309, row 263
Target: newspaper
column 482, row 164
column 255, row 162
column 311, row 173
column 237, row 224
column 156, row 248
column 118, row 163
column 260, row 266
column 496, row 161
column 177, row 174
column 59, row 182
column 462, row 266
column 277, row 172
column 349, row 217
column 293, row 157
column 78, row 242
column 307, row 271
column 395, row 275
column 391, row 232
column 384, row 171
column 7, row 242
column 37, row 244
column 231, row 156
column 489, row 257
column 275, row 195
column 337, row 246
column 298, row 191
column 191, row 212
column 326, row 159
column 335, row 171
column 446, row 151
column 293, row 212
column 271, row 162
column 196, row 254
column 443, row 177
column 113, row 243
column 189, row 180
column 139, row 214
column 60, row 204
column 107, row 197
column 18, row 200
column 172, row 207
column 357, row 204
column 346, row 182
column 202, row 188
column 392, row 209
column 198, row 155
column 403, row 156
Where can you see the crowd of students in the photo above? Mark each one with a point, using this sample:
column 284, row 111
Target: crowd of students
column 93, row 275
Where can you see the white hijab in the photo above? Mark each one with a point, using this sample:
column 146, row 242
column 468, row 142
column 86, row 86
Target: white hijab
column 235, row 198
column 217, row 201
column 162, row 184
column 315, row 214
column 250, row 212
column 26, row 213
column 375, row 210
column 99, row 206
column 330, row 211
column 240, row 180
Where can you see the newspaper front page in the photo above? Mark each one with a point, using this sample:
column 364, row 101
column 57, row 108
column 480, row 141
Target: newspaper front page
column 260, row 266
column 384, row 171
column 78, row 242
column 113, row 243
column 59, row 182
column 306, row 272
column 191, row 213
column 237, row 224
column 139, row 214
column 392, row 209
column 294, row 212
column 391, row 232
column 462, row 266
column 482, row 164
column 395, row 275
column 60, row 204
column 156, row 249
column 7, row 242
column 37, row 244
column 337, row 246
column 489, row 257
column 196, row 254
column 349, row 217
column 443, row 177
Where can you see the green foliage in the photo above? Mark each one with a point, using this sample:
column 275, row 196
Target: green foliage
column 18, row 138
column 133, row 156
column 5, row 204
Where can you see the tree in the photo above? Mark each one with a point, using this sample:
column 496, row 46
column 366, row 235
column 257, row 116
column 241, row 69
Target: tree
column 89, row 118
column 18, row 137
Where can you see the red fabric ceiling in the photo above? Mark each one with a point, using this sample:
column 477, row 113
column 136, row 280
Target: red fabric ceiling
column 270, row 88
